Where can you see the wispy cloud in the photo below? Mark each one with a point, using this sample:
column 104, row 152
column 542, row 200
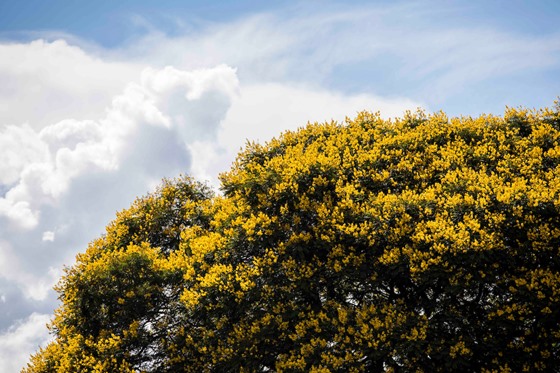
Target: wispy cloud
column 307, row 45
column 22, row 337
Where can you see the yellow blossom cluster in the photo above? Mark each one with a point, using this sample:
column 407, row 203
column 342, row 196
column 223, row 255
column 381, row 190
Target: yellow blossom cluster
column 419, row 244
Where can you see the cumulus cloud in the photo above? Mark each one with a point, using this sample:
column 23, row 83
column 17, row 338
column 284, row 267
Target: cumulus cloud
column 66, row 179
column 34, row 286
column 20, row 146
column 24, row 336
column 188, row 104
column 45, row 82
column 262, row 111
column 48, row 236
column 291, row 106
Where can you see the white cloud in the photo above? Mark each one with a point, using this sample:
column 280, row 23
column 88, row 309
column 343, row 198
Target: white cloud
column 24, row 336
column 46, row 82
column 189, row 104
column 38, row 288
column 34, row 286
column 48, row 236
column 19, row 147
column 18, row 213
column 262, row 111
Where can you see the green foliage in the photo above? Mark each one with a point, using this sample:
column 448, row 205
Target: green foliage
column 420, row 244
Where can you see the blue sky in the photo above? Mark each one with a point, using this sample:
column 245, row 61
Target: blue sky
column 110, row 24
column 100, row 100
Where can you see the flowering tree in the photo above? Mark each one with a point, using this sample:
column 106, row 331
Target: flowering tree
column 417, row 244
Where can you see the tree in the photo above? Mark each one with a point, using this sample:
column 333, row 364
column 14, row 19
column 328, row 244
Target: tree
column 418, row 244
column 120, row 302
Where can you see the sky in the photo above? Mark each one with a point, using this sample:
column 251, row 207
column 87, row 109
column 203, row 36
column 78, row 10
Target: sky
column 100, row 100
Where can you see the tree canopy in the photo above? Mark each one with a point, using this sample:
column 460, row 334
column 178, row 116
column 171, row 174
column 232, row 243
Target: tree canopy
column 423, row 244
